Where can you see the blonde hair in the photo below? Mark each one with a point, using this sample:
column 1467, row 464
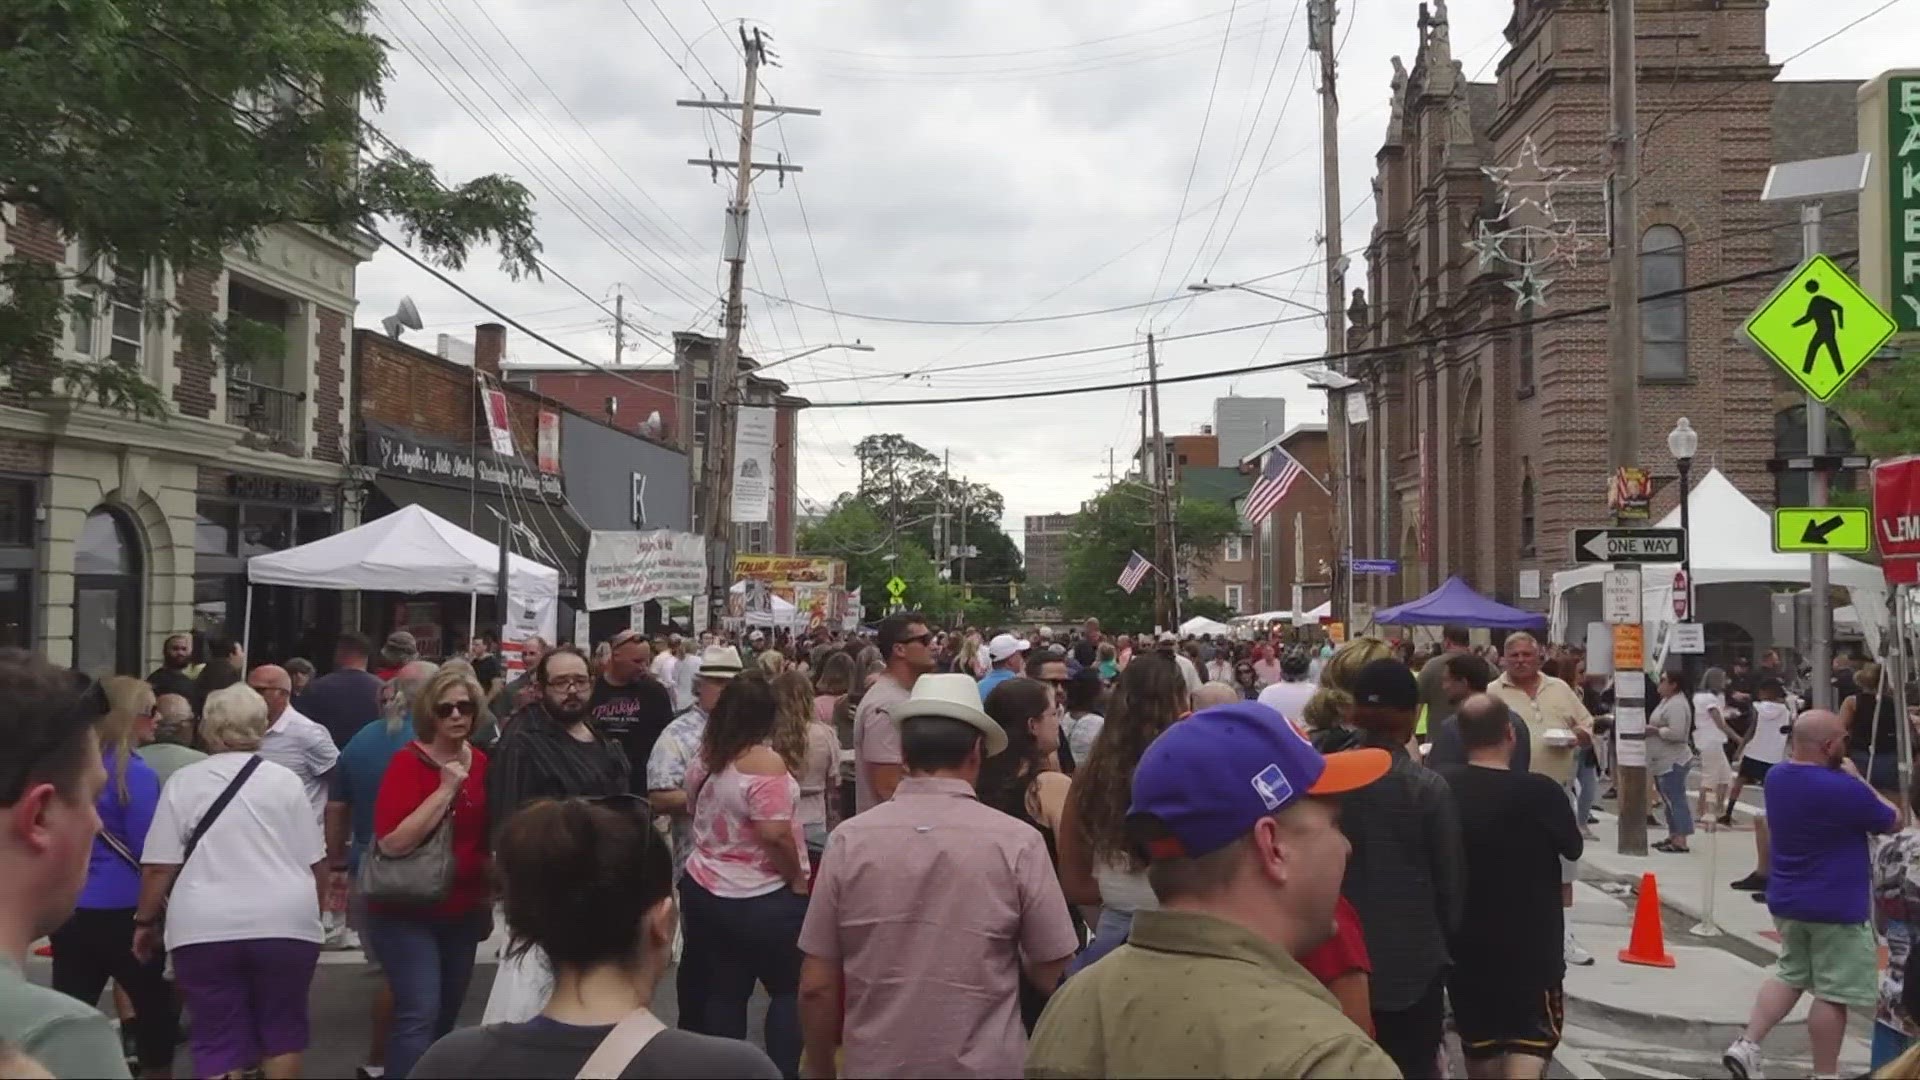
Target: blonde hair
column 1332, row 703
column 793, row 711
column 425, row 724
column 234, row 719
column 128, row 699
column 773, row 662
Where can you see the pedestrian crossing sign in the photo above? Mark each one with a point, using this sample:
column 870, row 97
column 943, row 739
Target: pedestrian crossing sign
column 1820, row 327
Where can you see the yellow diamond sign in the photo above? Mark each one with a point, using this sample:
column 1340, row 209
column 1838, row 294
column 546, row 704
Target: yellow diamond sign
column 1820, row 327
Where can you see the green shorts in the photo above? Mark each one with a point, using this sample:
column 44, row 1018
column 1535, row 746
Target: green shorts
column 1835, row 962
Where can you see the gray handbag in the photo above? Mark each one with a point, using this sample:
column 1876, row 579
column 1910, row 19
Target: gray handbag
column 421, row 877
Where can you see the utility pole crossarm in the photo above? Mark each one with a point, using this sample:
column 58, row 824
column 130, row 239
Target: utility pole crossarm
column 795, row 110
column 756, row 166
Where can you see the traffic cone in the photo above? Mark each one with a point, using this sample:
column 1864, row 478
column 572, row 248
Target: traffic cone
column 1648, row 944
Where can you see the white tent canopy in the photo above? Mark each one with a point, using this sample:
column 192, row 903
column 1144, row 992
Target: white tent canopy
column 785, row 614
column 1200, row 625
column 1731, row 543
column 411, row 550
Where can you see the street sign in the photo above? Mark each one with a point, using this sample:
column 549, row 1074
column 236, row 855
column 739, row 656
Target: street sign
column 1820, row 327
column 1822, row 528
column 1688, row 639
column 1376, row 566
column 1620, row 597
column 896, row 588
column 1629, row 545
column 1680, row 595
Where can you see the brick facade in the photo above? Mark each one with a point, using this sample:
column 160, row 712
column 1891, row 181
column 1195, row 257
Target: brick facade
column 1493, row 444
column 196, row 290
column 329, row 381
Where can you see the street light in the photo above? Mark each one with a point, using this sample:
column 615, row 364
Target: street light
column 1683, row 442
column 854, row 347
column 1207, row 287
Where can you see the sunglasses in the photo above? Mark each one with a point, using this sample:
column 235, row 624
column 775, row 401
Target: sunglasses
column 917, row 639
column 450, row 708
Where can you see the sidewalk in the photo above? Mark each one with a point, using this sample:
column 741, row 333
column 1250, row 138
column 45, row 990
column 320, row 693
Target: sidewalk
column 1692, row 882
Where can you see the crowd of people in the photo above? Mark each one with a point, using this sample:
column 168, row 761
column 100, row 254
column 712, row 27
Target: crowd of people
column 937, row 854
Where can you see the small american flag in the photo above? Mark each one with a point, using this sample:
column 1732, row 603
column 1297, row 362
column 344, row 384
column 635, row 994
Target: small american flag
column 1135, row 572
column 1276, row 479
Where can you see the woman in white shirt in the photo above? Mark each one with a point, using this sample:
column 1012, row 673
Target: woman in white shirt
column 1716, row 741
column 242, row 903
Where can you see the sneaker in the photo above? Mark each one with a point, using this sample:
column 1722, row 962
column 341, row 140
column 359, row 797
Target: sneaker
column 1726, row 819
column 1754, row 882
column 1742, row 1060
column 1576, row 953
column 370, row 1072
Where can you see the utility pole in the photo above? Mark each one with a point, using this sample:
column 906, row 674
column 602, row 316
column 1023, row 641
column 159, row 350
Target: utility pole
column 1623, row 406
column 1321, row 15
column 718, row 466
column 619, row 325
column 1164, row 584
column 966, row 496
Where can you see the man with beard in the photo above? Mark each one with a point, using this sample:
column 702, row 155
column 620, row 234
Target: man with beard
column 630, row 706
column 171, row 676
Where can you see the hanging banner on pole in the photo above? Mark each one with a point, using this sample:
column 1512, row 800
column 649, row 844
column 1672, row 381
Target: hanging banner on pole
column 527, row 617
column 752, row 466
column 499, row 426
column 627, row 568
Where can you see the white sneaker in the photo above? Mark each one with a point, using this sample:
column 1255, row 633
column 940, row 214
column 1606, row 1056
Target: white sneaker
column 1576, row 953
column 1742, row 1060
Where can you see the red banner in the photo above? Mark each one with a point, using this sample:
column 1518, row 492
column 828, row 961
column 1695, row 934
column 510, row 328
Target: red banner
column 1896, row 516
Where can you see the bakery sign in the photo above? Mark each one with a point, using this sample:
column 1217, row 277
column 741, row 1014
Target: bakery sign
column 397, row 454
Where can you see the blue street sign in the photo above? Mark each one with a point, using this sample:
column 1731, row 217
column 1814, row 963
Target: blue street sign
column 1376, row 566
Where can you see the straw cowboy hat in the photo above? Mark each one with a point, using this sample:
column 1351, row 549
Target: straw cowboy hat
column 721, row 662
column 953, row 697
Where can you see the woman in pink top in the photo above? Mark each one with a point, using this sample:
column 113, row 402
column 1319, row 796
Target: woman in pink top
column 744, row 895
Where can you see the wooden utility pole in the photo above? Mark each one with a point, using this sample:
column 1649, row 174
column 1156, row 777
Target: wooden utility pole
column 1623, row 406
column 619, row 325
column 1163, row 581
column 1321, row 16
column 717, row 466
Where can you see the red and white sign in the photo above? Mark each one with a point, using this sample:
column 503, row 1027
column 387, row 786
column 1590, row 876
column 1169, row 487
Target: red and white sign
column 1681, row 600
column 499, row 426
column 549, row 441
column 1896, row 517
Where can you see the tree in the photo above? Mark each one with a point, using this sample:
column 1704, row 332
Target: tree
column 1117, row 522
column 853, row 531
column 1883, row 406
column 167, row 132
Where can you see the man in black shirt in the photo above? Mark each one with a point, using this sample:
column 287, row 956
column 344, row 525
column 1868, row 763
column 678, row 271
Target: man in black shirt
column 630, row 706
column 1509, row 956
column 347, row 698
column 171, row 676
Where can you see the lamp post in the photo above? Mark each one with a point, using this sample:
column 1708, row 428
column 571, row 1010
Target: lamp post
column 1683, row 442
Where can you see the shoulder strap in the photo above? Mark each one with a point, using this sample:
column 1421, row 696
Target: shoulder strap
column 119, row 847
column 219, row 804
column 624, row 1043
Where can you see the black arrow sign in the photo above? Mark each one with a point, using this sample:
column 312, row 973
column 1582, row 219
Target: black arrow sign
column 1817, row 531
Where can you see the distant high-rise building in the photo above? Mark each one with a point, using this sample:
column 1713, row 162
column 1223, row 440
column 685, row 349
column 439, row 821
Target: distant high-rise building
column 1244, row 424
column 1046, row 544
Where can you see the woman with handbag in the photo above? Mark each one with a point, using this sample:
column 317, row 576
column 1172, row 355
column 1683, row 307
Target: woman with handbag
column 236, row 863
column 426, row 874
column 96, row 943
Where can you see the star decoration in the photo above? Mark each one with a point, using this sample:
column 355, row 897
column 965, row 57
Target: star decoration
column 1527, row 235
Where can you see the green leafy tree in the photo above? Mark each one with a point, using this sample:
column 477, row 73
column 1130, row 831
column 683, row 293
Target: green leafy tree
column 1210, row 607
column 853, row 531
column 1117, row 522
column 168, row 132
column 1883, row 406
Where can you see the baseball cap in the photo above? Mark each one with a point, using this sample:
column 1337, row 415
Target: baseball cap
column 1207, row 779
column 1003, row 646
column 1387, row 683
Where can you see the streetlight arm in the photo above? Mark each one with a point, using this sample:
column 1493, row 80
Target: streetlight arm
column 855, row 347
column 1206, row 287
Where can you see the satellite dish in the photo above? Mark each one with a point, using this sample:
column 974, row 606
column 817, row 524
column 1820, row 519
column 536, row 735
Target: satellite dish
column 650, row 427
column 405, row 315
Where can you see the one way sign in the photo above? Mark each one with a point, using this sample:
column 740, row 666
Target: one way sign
column 1629, row 545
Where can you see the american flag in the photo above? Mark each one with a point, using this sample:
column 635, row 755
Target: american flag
column 1276, row 479
column 1135, row 572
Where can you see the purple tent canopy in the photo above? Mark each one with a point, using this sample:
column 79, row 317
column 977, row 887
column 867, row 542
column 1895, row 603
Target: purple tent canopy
column 1456, row 604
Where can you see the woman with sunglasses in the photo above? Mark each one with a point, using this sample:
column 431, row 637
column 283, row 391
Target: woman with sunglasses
column 428, row 951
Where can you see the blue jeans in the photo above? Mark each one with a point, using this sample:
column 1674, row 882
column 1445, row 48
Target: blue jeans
column 1673, row 791
column 429, row 962
column 1887, row 1045
column 741, row 941
column 1110, row 934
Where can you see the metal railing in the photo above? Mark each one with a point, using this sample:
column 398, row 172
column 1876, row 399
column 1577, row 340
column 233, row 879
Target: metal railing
column 278, row 414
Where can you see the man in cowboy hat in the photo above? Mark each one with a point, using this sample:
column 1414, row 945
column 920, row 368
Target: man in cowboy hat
column 931, row 880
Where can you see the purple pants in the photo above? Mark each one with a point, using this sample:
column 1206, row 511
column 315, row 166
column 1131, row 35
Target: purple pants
column 248, row 999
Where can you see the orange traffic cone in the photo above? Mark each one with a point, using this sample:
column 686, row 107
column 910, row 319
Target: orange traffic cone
column 1648, row 944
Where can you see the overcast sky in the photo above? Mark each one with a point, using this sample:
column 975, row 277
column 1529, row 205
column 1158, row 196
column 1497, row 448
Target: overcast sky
column 976, row 160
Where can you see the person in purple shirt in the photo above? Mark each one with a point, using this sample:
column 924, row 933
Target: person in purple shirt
column 96, row 944
column 1821, row 815
column 346, row 698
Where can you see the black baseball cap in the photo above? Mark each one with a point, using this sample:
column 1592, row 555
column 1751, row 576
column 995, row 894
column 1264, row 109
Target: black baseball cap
column 1386, row 683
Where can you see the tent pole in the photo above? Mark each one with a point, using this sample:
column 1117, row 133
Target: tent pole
column 473, row 615
column 246, row 625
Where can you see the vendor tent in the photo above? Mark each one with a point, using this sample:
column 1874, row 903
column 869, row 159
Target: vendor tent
column 1455, row 603
column 785, row 614
column 1201, row 626
column 1731, row 544
column 412, row 550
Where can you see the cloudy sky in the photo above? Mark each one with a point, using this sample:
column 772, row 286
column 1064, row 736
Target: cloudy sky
column 978, row 161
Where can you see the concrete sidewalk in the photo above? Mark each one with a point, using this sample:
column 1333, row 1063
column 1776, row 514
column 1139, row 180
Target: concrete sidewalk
column 1694, row 884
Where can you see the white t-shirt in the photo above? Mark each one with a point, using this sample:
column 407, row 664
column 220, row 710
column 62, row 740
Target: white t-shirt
column 663, row 666
column 1080, row 732
column 1709, row 719
column 252, row 875
column 305, row 748
column 1190, row 672
column 1770, row 723
column 1289, row 699
column 685, row 671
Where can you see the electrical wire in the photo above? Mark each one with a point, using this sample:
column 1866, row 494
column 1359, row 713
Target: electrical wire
column 922, row 57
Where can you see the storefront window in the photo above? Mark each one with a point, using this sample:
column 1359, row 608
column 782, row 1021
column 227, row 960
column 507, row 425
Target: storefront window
column 214, row 528
column 265, row 530
column 314, row 525
column 16, row 610
column 107, row 596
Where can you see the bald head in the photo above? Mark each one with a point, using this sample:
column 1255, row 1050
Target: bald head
column 173, row 719
column 1819, row 738
column 272, row 682
column 1214, row 693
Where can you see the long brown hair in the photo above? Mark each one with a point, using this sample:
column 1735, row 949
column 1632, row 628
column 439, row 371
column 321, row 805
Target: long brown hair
column 743, row 718
column 1005, row 777
column 1331, row 704
column 1147, row 698
column 793, row 711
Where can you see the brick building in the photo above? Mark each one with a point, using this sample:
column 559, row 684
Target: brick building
column 1045, row 547
column 1227, row 574
column 115, row 530
column 1481, row 451
column 680, row 395
column 1201, row 448
column 1295, row 546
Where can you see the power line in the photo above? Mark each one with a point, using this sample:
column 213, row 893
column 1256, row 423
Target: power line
column 920, row 57
column 1009, row 321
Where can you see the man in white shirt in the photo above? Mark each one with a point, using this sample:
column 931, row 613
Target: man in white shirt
column 292, row 740
column 1290, row 695
column 666, row 657
column 1766, row 747
column 686, row 670
column 1169, row 646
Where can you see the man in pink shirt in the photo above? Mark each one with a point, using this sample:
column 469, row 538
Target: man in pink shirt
column 928, row 910
column 906, row 645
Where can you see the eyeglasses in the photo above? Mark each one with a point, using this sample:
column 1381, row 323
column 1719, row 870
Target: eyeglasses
column 916, row 639
column 570, row 682
column 449, row 708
